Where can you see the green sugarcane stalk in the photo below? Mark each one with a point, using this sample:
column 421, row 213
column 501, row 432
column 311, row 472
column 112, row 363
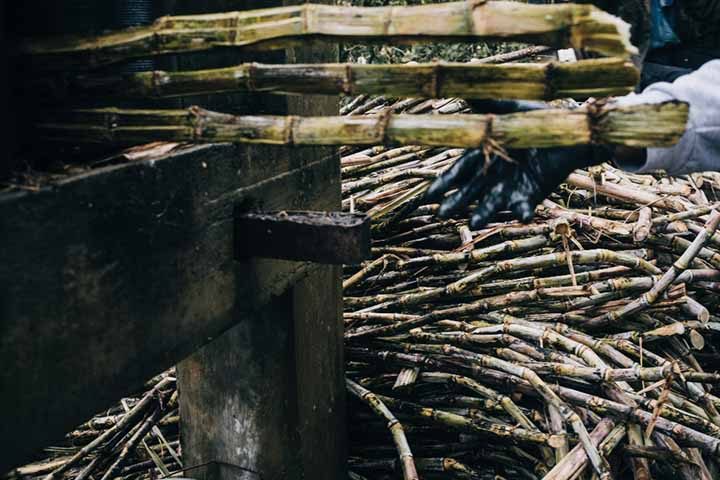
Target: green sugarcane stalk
column 562, row 25
column 657, row 125
column 539, row 81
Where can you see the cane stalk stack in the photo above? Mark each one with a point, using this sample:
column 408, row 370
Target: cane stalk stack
column 579, row 344
column 136, row 438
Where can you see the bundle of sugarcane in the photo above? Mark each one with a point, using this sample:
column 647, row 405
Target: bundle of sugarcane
column 598, row 77
column 577, row 344
column 644, row 125
column 581, row 26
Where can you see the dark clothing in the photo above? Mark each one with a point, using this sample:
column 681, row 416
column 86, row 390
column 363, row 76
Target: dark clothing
column 669, row 63
column 658, row 72
column 697, row 24
column 684, row 34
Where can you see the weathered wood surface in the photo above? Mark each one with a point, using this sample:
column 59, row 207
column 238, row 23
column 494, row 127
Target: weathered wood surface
column 253, row 397
column 269, row 394
column 111, row 277
column 331, row 238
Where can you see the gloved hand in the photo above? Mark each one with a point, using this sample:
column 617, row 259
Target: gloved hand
column 518, row 186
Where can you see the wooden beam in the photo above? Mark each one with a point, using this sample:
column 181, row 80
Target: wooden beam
column 333, row 238
column 113, row 276
column 269, row 394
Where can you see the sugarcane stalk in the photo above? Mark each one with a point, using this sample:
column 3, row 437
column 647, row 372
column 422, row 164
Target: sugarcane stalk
column 599, row 464
column 685, row 215
column 599, row 374
column 463, row 285
column 680, row 265
column 640, row 466
column 368, row 268
column 622, row 192
column 390, row 158
column 134, row 414
column 460, row 423
column 477, row 255
column 572, row 463
column 642, row 226
column 136, row 438
column 642, row 125
column 513, row 55
column 657, row 453
column 562, row 25
column 553, row 210
column 540, row 81
column 557, row 427
column 396, row 429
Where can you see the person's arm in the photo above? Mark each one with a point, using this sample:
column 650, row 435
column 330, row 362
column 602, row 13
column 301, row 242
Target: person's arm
column 699, row 147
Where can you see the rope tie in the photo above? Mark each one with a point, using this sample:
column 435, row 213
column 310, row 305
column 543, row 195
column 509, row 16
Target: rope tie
column 549, row 92
column 347, row 80
column 197, row 121
column 292, row 123
column 435, row 80
column 469, row 17
column 489, row 125
column 306, row 17
column 594, row 114
column 250, row 80
column 382, row 126
column 387, row 21
column 236, row 27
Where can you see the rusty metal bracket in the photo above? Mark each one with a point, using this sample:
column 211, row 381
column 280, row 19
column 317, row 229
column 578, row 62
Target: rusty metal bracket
column 321, row 237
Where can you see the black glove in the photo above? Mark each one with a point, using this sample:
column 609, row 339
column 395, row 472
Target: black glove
column 518, row 186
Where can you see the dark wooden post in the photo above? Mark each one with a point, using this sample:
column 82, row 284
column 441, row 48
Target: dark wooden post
column 268, row 395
